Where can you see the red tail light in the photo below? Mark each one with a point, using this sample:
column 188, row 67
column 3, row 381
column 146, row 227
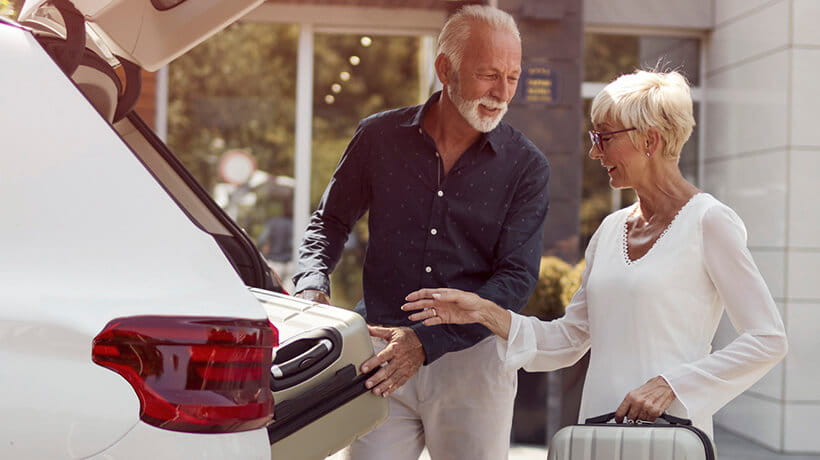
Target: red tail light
column 193, row 374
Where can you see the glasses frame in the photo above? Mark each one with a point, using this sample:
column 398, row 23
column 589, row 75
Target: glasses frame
column 597, row 137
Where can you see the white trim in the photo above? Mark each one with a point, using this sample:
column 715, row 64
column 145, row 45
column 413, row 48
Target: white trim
column 304, row 133
column 161, row 104
column 360, row 20
column 617, row 29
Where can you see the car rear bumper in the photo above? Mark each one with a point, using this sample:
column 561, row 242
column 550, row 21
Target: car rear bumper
column 148, row 442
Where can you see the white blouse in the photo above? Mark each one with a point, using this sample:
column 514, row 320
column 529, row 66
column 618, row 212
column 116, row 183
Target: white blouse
column 657, row 315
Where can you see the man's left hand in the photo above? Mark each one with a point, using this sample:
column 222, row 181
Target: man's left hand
column 646, row 402
column 399, row 360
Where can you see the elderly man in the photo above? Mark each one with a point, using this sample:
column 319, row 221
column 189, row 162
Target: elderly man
column 457, row 199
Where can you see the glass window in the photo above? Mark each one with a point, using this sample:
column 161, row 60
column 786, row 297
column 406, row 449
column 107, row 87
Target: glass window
column 355, row 76
column 231, row 122
column 607, row 56
column 234, row 96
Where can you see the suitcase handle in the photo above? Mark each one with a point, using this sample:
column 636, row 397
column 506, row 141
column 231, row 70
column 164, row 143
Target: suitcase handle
column 302, row 361
column 669, row 418
column 304, row 356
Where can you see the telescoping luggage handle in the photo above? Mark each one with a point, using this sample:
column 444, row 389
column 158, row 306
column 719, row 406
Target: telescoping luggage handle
column 669, row 418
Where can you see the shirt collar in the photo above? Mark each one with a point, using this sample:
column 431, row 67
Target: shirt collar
column 494, row 137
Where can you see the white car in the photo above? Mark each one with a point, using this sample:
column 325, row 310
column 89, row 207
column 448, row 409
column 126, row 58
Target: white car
column 136, row 319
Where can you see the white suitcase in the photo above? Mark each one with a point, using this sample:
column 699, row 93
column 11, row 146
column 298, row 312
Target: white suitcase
column 318, row 390
column 598, row 440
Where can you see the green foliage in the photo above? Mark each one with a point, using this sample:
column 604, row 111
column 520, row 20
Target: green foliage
column 385, row 77
column 557, row 282
column 346, row 281
column 237, row 90
column 9, row 8
column 571, row 281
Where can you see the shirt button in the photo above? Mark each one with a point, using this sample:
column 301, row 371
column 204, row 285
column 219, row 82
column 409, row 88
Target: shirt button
column 428, row 269
column 433, row 231
column 440, row 193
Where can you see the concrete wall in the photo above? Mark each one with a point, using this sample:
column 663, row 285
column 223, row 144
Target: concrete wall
column 761, row 157
column 689, row 14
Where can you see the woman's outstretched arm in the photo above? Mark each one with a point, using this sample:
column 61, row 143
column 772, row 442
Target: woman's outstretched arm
column 452, row 306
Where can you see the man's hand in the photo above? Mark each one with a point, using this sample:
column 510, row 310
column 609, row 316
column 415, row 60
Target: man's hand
column 314, row 295
column 646, row 402
column 400, row 359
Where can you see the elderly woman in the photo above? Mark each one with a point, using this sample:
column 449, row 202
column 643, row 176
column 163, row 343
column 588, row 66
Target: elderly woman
column 659, row 274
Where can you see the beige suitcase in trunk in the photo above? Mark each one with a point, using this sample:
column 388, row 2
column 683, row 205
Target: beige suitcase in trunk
column 318, row 390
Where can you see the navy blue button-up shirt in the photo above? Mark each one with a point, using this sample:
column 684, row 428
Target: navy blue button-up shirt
column 477, row 228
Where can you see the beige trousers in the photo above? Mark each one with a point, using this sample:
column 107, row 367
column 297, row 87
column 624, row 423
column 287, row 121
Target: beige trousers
column 460, row 407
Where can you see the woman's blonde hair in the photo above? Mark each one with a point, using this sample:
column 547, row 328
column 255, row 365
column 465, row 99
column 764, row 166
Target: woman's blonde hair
column 648, row 99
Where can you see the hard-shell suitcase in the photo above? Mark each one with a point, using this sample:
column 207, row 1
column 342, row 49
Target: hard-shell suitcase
column 318, row 390
column 598, row 440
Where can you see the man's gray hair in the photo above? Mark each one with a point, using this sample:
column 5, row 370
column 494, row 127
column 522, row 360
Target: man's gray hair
column 456, row 32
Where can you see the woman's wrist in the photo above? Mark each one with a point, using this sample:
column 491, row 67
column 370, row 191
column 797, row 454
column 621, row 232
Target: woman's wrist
column 496, row 319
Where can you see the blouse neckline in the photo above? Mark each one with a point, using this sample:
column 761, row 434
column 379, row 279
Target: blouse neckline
column 625, row 230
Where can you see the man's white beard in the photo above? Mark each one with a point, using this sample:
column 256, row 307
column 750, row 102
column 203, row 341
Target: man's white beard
column 469, row 109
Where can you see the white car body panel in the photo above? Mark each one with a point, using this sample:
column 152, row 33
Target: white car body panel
column 87, row 236
column 149, row 442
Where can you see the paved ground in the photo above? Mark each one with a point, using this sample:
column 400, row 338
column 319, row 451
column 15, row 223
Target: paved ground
column 733, row 447
column 729, row 446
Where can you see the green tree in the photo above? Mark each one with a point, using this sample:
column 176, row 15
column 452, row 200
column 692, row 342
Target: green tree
column 237, row 91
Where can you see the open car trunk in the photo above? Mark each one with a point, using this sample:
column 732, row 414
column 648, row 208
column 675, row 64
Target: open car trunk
column 321, row 403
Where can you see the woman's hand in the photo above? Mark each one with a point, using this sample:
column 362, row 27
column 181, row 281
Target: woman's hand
column 452, row 306
column 646, row 402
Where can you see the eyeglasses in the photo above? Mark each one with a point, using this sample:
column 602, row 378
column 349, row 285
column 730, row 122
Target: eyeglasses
column 597, row 137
